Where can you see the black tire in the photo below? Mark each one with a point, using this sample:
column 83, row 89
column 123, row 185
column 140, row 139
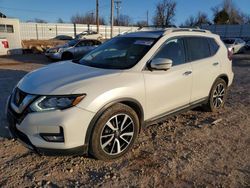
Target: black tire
column 103, row 142
column 216, row 102
column 67, row 56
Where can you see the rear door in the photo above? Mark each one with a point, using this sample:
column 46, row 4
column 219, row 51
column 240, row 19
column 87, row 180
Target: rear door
column 205, row 65
column 81, row 48
column 169, row 90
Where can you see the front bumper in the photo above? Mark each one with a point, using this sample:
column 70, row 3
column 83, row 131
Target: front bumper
column 27, row 128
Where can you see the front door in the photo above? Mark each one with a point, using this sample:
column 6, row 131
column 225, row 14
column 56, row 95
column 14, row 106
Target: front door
column 168, row 90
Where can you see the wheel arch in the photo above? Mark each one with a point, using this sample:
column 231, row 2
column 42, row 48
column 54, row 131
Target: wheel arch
column 134, row 104
column 67, row 52
column 221, row 76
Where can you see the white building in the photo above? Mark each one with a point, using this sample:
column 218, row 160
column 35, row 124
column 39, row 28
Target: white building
column 10, row 29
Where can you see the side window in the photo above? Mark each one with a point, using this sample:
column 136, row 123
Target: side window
column 197, row 48
column 6, row 28
column 213, row 46
column 81, row 43
column 173, row 49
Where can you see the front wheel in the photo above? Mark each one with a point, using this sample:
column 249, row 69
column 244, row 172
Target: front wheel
column 217, row 96
column 114, row 132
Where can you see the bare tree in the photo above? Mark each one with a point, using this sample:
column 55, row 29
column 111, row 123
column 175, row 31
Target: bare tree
column 164, row 13
column 198, row 20
column 124, row 20
column 190, row 22
column 87, row 18
column 60, row 20
column 202, row 18
column 37, row 20
column 141, row 23
column 245, row 18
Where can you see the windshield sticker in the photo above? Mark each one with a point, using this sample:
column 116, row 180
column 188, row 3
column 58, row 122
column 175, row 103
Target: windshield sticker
column 144, row 42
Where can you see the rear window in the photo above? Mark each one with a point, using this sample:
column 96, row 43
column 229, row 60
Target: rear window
column 197, row 48
column 228, row 41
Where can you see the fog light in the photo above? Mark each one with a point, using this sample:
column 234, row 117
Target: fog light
column 53, row 137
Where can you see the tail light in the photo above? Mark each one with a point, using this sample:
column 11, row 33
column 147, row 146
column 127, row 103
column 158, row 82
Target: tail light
column 5, row 44
column 230, row 54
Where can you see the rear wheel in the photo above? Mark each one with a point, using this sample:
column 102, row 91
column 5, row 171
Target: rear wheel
column 114, row 133
column 217, row 96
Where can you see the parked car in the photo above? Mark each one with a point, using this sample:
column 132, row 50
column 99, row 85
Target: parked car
column 248, row 45
column 72, row 50
column 236, row 45
column 63, row 37
column 99, row 104
column 89, row 35
column 4, row 46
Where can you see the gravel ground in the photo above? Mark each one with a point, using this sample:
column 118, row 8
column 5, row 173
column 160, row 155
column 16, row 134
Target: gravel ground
column 193, row 149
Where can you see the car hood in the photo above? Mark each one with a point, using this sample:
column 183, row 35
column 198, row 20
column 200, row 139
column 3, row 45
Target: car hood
column 62, row 78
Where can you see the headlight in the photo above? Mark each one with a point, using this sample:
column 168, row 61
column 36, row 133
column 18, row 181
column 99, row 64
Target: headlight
column 48, row 103
column 55, row 50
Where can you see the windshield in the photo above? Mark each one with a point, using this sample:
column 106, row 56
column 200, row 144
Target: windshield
column 72, row 42
column 118, row 53
column 229, row 41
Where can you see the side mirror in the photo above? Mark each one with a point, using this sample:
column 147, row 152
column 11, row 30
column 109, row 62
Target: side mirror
column 161, row 64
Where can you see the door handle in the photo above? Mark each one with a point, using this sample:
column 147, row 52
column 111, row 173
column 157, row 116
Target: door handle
column 187, row 73
column 215, row 64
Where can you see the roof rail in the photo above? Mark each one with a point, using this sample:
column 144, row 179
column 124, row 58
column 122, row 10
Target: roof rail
column 190, row 30
column 157, row 27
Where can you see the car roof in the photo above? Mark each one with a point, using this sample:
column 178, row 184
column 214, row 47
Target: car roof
column 160, row 32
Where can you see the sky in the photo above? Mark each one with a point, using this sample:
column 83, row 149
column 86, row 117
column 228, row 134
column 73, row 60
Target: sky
column 51, row 10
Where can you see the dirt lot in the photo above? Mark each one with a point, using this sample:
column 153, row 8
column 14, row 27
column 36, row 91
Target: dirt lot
column 193, row 149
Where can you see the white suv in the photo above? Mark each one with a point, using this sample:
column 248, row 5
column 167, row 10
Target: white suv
column 99, row 104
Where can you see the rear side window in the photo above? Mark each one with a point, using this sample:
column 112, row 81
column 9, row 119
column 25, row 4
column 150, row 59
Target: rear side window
column 213, row 46
column 197, row 48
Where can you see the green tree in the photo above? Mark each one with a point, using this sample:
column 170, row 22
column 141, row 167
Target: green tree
column 221, row 17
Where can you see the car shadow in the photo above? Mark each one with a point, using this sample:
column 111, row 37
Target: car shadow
column 24, row 59
column 8, row 80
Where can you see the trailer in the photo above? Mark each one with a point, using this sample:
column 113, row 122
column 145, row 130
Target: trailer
column 10, row 30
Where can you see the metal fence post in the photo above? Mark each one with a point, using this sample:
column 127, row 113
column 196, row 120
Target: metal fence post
column 241, row 28
column 36, row 32
column 75, row 29
column 105, row 32
column 56, row 30
column 226, row 31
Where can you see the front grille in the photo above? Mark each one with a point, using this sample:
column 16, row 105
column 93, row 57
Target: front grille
column 16, row 106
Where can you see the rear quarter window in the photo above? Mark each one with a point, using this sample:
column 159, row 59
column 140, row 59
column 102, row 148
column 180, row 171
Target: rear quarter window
column 213, row 45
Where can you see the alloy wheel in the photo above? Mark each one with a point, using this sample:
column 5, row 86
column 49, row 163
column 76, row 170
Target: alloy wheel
column 117, row 134
column 218, row 95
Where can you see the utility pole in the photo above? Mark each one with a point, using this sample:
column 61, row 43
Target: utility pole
column 112, row 18
column 147, row 17
column 97, row 16
column 118, row 6
column 92, row 18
